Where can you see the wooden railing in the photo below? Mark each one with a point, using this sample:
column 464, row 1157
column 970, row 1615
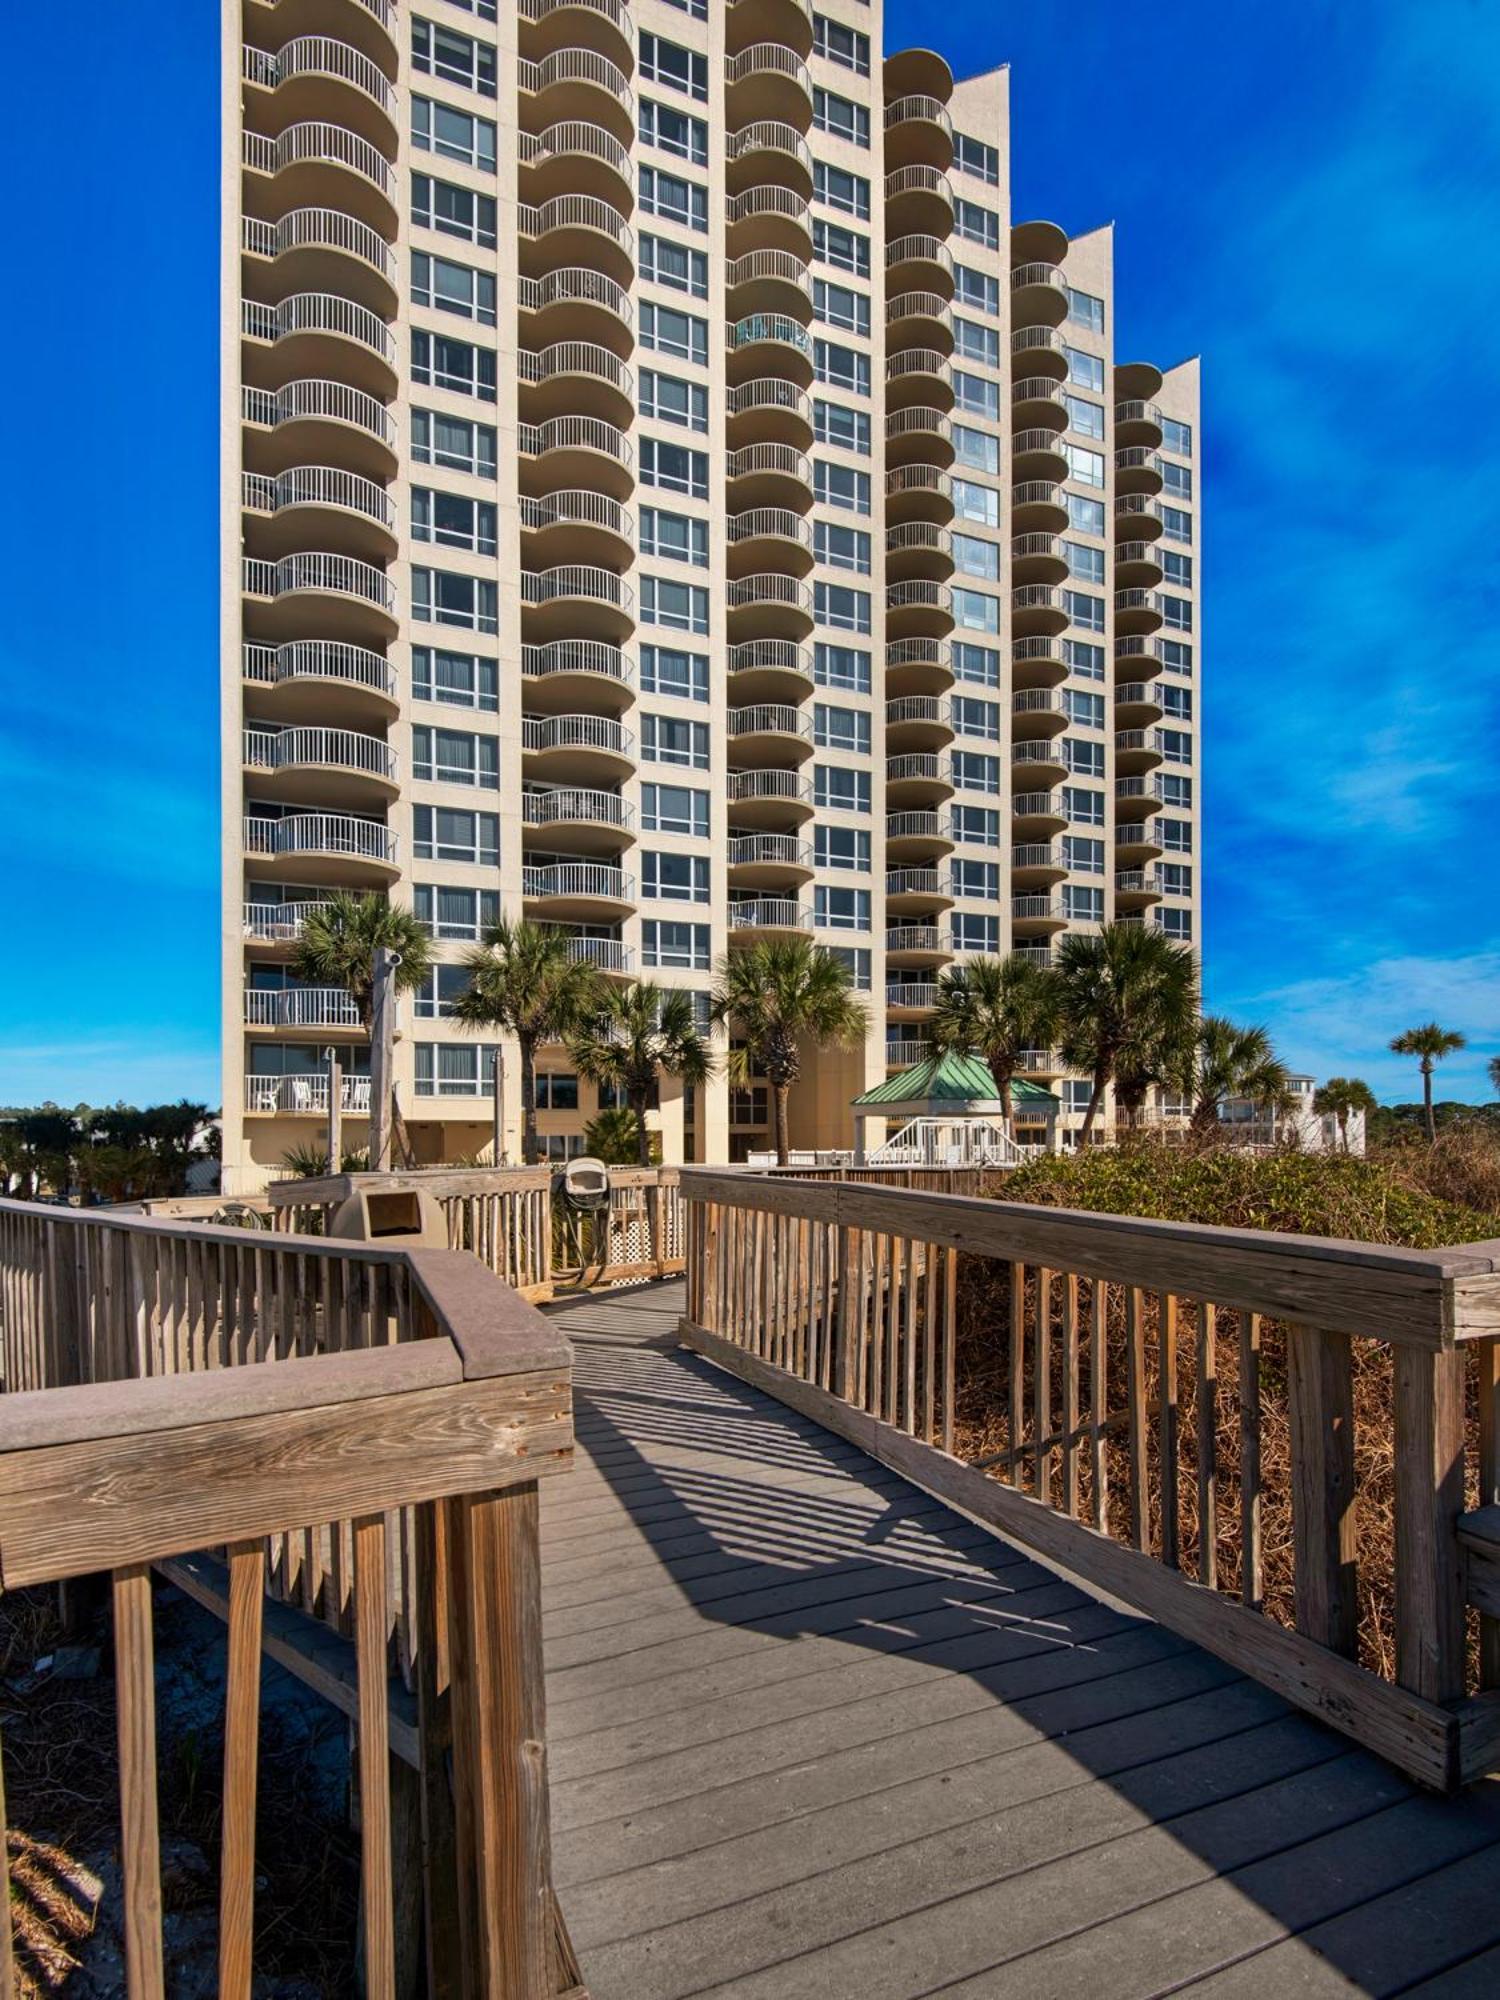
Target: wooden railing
column 932, row 1180
column 1166, row 1410
column 361, row 1430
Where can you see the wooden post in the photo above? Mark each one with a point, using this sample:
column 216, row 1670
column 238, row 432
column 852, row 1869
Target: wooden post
column 241, row 1766
column 382, row 1041
column 335, row 1112
column 1429, row 1431
column 140, row 1845
column 1320, row 1396
column 497, row 1107
column 1487, row 1384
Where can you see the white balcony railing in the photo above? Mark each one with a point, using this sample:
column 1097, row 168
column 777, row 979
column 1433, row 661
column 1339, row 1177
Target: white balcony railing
column 576, row 656
column 323, row 575
column 319, row 55
column 321, row 833
column 578, row 878
column 306, row 1092
column 575, row 804
column 319, row 486
column 320, row 660
column 315, row 401
column 334, row 749
column 319, row 229
column 318, row 313
column 780, row 913
column 277, row 923
column 576, row 732
column 300, row 1007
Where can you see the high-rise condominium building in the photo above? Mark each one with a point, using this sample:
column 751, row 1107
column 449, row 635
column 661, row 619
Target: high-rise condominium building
column 668, row 495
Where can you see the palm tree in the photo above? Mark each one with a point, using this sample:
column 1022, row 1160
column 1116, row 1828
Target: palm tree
column 610, row 1136
column 524, row 980
column 1342, row 1095
column 339, row 939
column 1228, row 1061
column 1127, row 1010
column 1492, row 1070
column 1431, row 1043
column 996, row 1009
column 642, row 1032
column 779, row 995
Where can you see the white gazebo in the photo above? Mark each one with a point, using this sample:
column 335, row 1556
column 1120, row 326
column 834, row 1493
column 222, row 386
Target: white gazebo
column 949, row 1116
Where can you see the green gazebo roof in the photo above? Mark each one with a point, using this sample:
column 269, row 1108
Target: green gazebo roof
column 948, row 1082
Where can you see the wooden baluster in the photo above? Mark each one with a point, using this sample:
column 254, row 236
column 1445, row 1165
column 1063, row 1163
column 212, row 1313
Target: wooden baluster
column 928, row 1428
column 877, row 1342
column 1071, row 1483
column 1098, row 1401
column 140, row 1846
column 372, row 1629
column 1487, row 1384
column 847, row 1337
column 1207, row 1418
column 1041, row 1384
column 894, row 1279
column 1429, row 1432
column 1017, row 1405
column 1166, row 1327
column 864, row 1251
column 950, row 1349
column 913, row 1285
column 241, row 1766
column 1135, row 1390
column 1320, row 1401
column 1252, row 1571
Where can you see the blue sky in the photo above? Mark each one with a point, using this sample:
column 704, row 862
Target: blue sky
column 1307, row 194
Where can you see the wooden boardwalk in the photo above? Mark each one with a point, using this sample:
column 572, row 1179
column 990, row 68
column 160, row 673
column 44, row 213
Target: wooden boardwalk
column 815, row 1734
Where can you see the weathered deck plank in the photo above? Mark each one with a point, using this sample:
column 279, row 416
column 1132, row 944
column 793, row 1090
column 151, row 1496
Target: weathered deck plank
column 815, row 1734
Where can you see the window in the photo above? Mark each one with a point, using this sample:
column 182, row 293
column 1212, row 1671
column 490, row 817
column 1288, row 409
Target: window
column 1177, row 924
column 845, row 847
column 837, row 188
column 1177, row 613
column 681, row 945
column 439, row 833
column 668, row 331
column 976, row 395
column 976, row 288
column 440, row 597
column 1085, row 371
column 1083, row 562
column 841, row 547
column 1084, row 710
column 672, row 198
column 1083, row 854
column 1085, row 760
column 562, row 1146
column 672, row 401
column 444, row 363
column 485, row 9
column 839, row 790
column 980, row 664
column 1177, row 569
column 454, row 520
column 1176, row 525
column 977, row 343
column 448, row 287
column 674, row 131
column 841, row 45
column 974, row 556
column 975, row 933
column 978, row 826
column 834, row 424
column 460, row 914
column 841, row 117
column 669, row 63
column 856, row 960
column 833, row 244
column 841, row 728
column 1177, row 655
column 1177, row 437
column 698, row 9
column 1174, row 878
column 666, row 740
column 978, row 224
column 674, row 878
column 844, row 609
column 674, row 809
column 1084, row 658
column 681, row 606
column 1083, row 806
column 668, row 670
column 1085, row 516
column 973, row 502
column 679, row 536
column 976, row 449
column 663, row 262
column 1085, row 417
column 1085, row 310
column 1086, row 466
column 433, row 999
column 455, row 211
column 458, row 58
column 748, row 1107
column 456, row 135
column 556, row 1091
column 1176, row 745
column 457, row 442
column 1176, row 702
column 974, row 771
column 455, row 1069
column 979, row 881
column 462, row 680
column 1176, row 835
column 841, row 909
column 841, row 486
column 841, row 305
column 975, row 611
column 841, row 667
column 674, row 467
column 1083, row 905
column 1076, row 1093
column 455, row 757
column 973, row 156
column 972, row 717
column 1177, row 480
column 1176, row 791
column 842, row 367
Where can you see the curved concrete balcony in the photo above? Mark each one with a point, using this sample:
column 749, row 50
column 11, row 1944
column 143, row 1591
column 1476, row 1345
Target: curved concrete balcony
column 1036, row 916
column 1038, row 402
column 1137, row 517
column 307, row 248
column 919, row 319
column 916, row 836
column 769, row 476
column 1136, row 888
column 577, row 749
column 917, row 778
column 768, row 860
column 1037, row 712
column 774, row 799
column 318, row 502
column 1138, row 422
column 769, row 733
column 1137, row 703
column 318, row 422
column 610, row 956
column 1137, row 797
column 338, row 848
column 318, row 164
column 1039, row 506
column 769, row 605
column 303, row 1095
column 916, row 945
column 1137, row 471
column 1137, row 750
column 576, row 601
column 1038, row 454
column 318, row 334
column 576, row 156
column 276, row 925
column 574, row 229
column 768, row 152
column 571, row 671
column 918, row 375
column 581, row 523
column 768, row 536
column 569, row 453
column 1137, row 564
column 769, row 411
column 577, row 84
column 605, row 25
column 918, row 722
column 323, row 1007
column 769, row 345
column 353, row 600
column 314, row 766
column 1036, row 762
column 768, row 282
column 916, row 891
column 575, row 378
column 767, row 80
column 1038, row 608
column 918, row 264
column 918, row 608
column 1139, row 839
column 918, row 132
column 316, row 676
column 1038, row 558
column 768, row 913
column 370, row 25
column 918, row 435
column 750, row 21
column 770, row 671
column 579, row 892
column 1039, row 955
column 577, row 304
column 1143, row 658
column 1036, row 862
column 918, row 549
column 1137, row 612
column 1039, row 351
column 319, row 75
column 911, row 997
column 1038, row 295
column 577, row 819
column 918, row 202
column 918, row 492
column 768, row 216
column 1037, row 815
column 921, row 666
column 1038, row 662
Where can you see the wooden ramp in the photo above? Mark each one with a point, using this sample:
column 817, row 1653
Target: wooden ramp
column 815, row 1734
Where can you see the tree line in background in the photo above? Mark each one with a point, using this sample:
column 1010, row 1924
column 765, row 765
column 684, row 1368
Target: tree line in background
column 107, row 1153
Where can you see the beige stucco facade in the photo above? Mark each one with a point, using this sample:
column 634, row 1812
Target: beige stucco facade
column 666, row 493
